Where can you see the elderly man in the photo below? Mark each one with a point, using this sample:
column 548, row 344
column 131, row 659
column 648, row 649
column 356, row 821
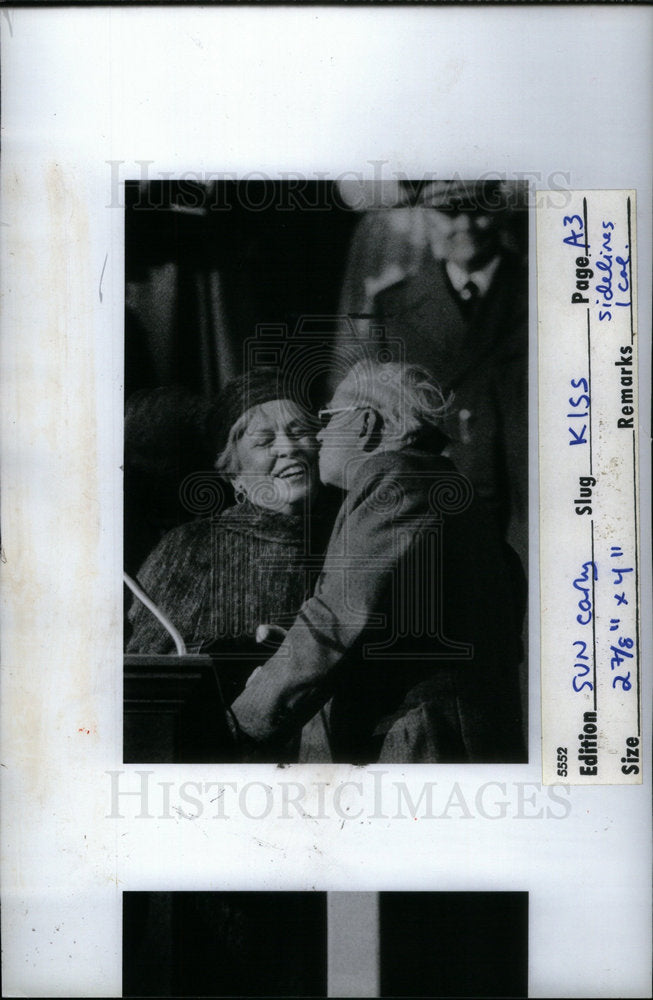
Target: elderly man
column 407, row 650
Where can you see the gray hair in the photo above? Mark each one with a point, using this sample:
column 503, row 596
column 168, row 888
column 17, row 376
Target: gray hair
column 227, row 462
column 407, row 397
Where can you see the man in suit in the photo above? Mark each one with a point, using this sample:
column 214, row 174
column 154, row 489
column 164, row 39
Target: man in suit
column 408, row 649
column 462, row 312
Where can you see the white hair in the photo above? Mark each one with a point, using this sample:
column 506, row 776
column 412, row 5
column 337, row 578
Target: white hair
column 407, row 397
column 227, row 463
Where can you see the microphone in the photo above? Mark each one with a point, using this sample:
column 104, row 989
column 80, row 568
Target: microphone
column 138, row 591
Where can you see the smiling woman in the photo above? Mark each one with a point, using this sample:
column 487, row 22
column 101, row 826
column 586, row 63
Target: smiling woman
column 219, row 577
column 270, row 456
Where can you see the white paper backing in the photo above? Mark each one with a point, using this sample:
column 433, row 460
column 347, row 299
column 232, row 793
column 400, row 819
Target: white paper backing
column 562, row 96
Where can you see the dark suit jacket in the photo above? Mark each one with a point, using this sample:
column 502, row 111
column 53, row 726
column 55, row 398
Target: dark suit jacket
column 482, row 355
column 408, row 649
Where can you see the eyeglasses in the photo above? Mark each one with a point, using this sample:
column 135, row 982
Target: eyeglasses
column 324, row 416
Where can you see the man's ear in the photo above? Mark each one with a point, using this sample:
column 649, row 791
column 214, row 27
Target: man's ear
column 371, row 430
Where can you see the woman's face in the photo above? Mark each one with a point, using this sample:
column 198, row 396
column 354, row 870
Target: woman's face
column 276, row 455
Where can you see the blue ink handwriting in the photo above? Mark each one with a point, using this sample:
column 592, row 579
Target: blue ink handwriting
column 582, row 668
column 582, row 583
column 581, row 407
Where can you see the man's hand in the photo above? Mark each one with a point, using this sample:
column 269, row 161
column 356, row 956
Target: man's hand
column 271, row 633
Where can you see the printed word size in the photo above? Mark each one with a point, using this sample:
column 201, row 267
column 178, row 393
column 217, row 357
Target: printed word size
column 630, row 762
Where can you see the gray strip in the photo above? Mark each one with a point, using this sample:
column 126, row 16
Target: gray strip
column 353, row 944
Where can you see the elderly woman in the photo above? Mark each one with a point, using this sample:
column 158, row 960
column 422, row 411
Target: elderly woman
column 219, row 577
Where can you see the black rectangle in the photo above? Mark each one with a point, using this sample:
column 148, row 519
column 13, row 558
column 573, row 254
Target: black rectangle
column 454, row 944
column 218, row 944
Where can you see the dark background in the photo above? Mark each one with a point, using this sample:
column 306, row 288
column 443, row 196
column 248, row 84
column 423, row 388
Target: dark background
column 454, row 944
column 224, row 944
column 433, row 944
column 205, row 264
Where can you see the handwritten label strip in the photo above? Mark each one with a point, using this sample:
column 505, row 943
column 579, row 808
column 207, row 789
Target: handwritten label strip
column 589, row 560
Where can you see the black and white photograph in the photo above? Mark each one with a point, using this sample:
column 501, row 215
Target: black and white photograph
column 325, row 944
column 326, row 471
